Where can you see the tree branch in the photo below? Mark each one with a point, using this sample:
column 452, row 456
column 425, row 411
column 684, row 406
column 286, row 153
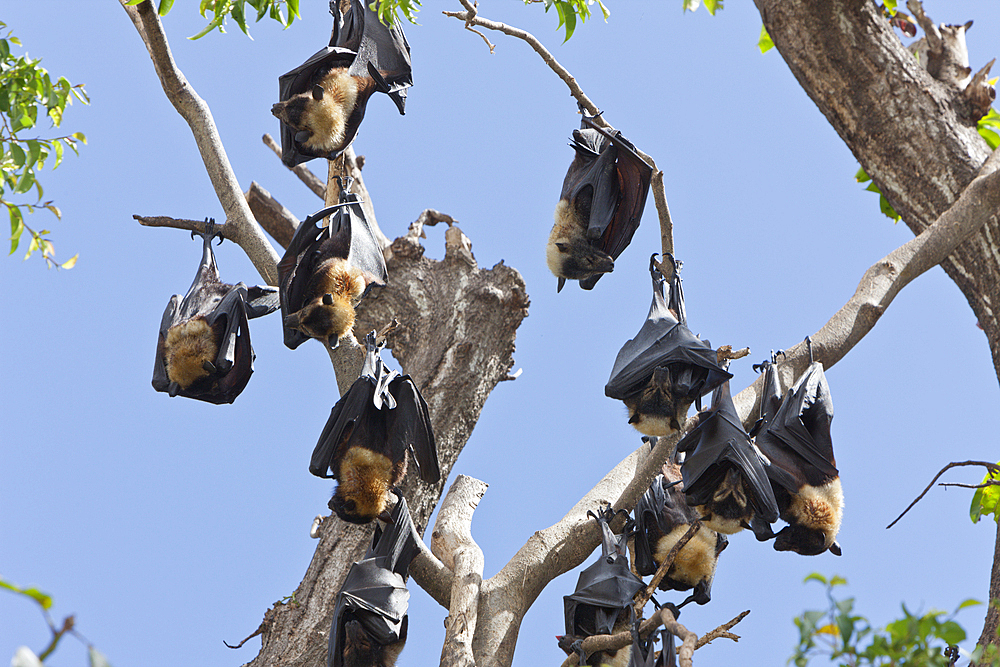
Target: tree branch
column 311, row 180
column 992, row 467
column 243, row 229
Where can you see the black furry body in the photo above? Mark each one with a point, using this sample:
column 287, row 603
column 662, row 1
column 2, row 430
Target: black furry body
column 203, row 350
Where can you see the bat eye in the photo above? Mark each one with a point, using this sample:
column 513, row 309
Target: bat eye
column 317, row 92
column 563, row 247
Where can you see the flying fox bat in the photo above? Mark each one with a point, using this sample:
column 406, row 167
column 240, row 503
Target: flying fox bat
column 364, row 443
column 326, row 271
column 724, row 475
column 203, row 350
column 794, row 435
column 660, row 372
column 323, row 100
column 369, row 620
column 662, row 517
column 602, row 602
column 600, row 206
column 668, row 655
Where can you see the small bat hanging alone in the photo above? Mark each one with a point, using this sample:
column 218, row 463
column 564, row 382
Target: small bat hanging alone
column 665, row 368
column 326, row 271
column 724, row 475
column 323, row 100
column 369, row 620
column 602, row 603
column 364, row 443
column 662, row 517
column 203, row 349
column 794, row 434
column 600, row 206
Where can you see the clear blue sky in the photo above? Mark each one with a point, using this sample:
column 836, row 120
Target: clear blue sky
column 170, row 525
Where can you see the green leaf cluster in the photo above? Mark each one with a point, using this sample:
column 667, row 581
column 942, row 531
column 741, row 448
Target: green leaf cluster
column 26, row 91
column 985, row 499
column 987, row 127
column 711, row 5
column 845, row 638
column 887, row 210
column 571, row 10
column 282, row 11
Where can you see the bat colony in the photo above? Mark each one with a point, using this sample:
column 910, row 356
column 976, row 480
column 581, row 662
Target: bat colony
column 720, row 480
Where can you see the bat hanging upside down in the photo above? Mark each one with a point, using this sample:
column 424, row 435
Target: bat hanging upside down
column 600, row 206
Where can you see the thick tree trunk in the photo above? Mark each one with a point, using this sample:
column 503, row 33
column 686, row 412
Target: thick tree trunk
column 907, row 131
column 456, row 338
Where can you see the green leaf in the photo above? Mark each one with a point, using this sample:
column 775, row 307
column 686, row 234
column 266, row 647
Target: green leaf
column 991, row 137
column 240, row 17
column 712, row 6
column 951, row 633
column 815, row 576
column 16, row 229
column 41, row 598
column 25, row 182
column 764, row 42
column 862, row 176
column 691, row 5
column 70, row 263
column 971, row 602
column 985, row 500
column 17, row 154
column 838, row 580
column 165, row 7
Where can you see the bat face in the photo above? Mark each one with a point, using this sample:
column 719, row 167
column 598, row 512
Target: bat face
column 795, row 437
column 322, row 102
column 659, row 373
column 600, row 206
column 326, row 271
column 203, row 349
column 364, row 443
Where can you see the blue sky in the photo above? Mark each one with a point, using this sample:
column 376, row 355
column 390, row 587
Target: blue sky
column 169, row 525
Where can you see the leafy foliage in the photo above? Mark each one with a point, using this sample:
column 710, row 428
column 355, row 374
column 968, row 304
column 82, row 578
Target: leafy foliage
column 26, row 88
column 988, row 125
column 985, row 499
column 883, row 203
column 570, row 10
column 711, row 5
column 848, row 639
column 764, row 43
column 282, row 11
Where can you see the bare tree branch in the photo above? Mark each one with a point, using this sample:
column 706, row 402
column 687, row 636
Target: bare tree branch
column 311, row 180
column 452, row 542
column 721, row 632
column 992, row 467
column 276, row 220
column 244, row 231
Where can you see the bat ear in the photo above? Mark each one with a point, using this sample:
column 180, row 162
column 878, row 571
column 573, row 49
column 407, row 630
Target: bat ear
column 563, row 247
column 333, row 342
column 327, row 299
column 208, row 366
column 317, row 92
column 835, row 547
column 562, row 282
column 968, row 25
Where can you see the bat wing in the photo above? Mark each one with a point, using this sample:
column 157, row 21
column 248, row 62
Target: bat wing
column 409, row 427
column 617, row 208
column 234, row 360
column 261, row 300
column 383, row 52
column 375, row 596
column 295, row 270
column 647, row 512
column 802, row 425
column 170, row 317
column 719, row 439
column 663, row 341
column 350, row 413
column 354, row 233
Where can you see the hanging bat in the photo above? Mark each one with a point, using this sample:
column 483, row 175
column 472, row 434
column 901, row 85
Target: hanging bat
column 326, row 271
column 724, row 475
column 203, row 350
column 600, row 206
column 795, row 438
column 662, row 517
column 369, row 620
column 665, row 368
column 364, row 443
column 602, row 602
column 668, row 655
column 323, row 100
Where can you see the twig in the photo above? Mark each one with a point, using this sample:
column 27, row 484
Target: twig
column 721, row 632
column 984, row 485
column 992, row 467
column 311, row 180
column 664, row 568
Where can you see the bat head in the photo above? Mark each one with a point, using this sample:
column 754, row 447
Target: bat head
column 327, row 318
column 362, row 650
column 322, row 112
column 657, row 408
column 365, row 479
column 569, row 254
column 728, row 510
column 190, row 349
column 805, row 541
